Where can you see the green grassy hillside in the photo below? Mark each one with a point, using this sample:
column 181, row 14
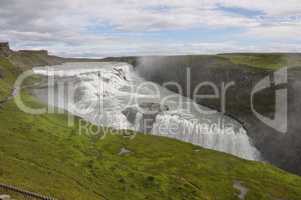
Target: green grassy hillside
column 27, row 59
column 268, row 61
column 8, row 74
column 264, row 60
column 42, row 154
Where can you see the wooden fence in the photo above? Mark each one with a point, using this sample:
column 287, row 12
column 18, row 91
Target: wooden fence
column 28, row 195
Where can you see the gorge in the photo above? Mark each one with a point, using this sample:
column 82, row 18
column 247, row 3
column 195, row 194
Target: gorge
column 113, row 95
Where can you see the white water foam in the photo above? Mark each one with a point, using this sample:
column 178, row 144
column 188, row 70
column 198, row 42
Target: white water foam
column 109, row 88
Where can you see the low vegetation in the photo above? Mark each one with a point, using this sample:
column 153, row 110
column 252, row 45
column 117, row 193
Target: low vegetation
column 264, row 60
column 41, row 153
column 245, row 71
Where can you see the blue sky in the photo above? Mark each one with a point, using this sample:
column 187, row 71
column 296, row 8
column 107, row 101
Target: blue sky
column 100, row 28
column 241, row 11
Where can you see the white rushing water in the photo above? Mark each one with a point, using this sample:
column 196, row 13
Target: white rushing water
column 113, row 95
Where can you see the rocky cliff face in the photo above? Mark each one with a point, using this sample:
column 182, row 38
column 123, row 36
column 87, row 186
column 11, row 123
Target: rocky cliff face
column 37, row 52
column 4, row 49
column 280, row 149
column 26, row 59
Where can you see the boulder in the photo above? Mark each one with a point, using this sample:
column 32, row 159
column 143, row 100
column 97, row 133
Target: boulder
column 124, row 152
column 147, row 111
column 130, row 114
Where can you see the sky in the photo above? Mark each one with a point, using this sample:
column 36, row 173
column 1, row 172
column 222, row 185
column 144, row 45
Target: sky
column 102, row 28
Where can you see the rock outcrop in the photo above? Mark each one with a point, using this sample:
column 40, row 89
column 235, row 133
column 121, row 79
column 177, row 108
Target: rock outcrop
column 26, row 59
column 4, row 49
column 38, row 52
column 282, row 150
column 124, row 152
column 145, row 113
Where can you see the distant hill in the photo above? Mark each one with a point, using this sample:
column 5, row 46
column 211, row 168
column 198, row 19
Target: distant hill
column 26, row 59
column 265, row 60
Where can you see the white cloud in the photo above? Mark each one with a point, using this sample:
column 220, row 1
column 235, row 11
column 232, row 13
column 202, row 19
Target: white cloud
column 270, row 7
column 64, row 25
column 276, row 32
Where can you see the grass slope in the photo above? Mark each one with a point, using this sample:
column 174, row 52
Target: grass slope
column 268, row 61
column 27, row 59
column 265, row 60
column 41, row 153
column 8, row 73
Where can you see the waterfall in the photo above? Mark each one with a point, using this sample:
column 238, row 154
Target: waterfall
column 113, row 95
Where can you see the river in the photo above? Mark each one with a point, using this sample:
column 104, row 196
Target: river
column 112, row 94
